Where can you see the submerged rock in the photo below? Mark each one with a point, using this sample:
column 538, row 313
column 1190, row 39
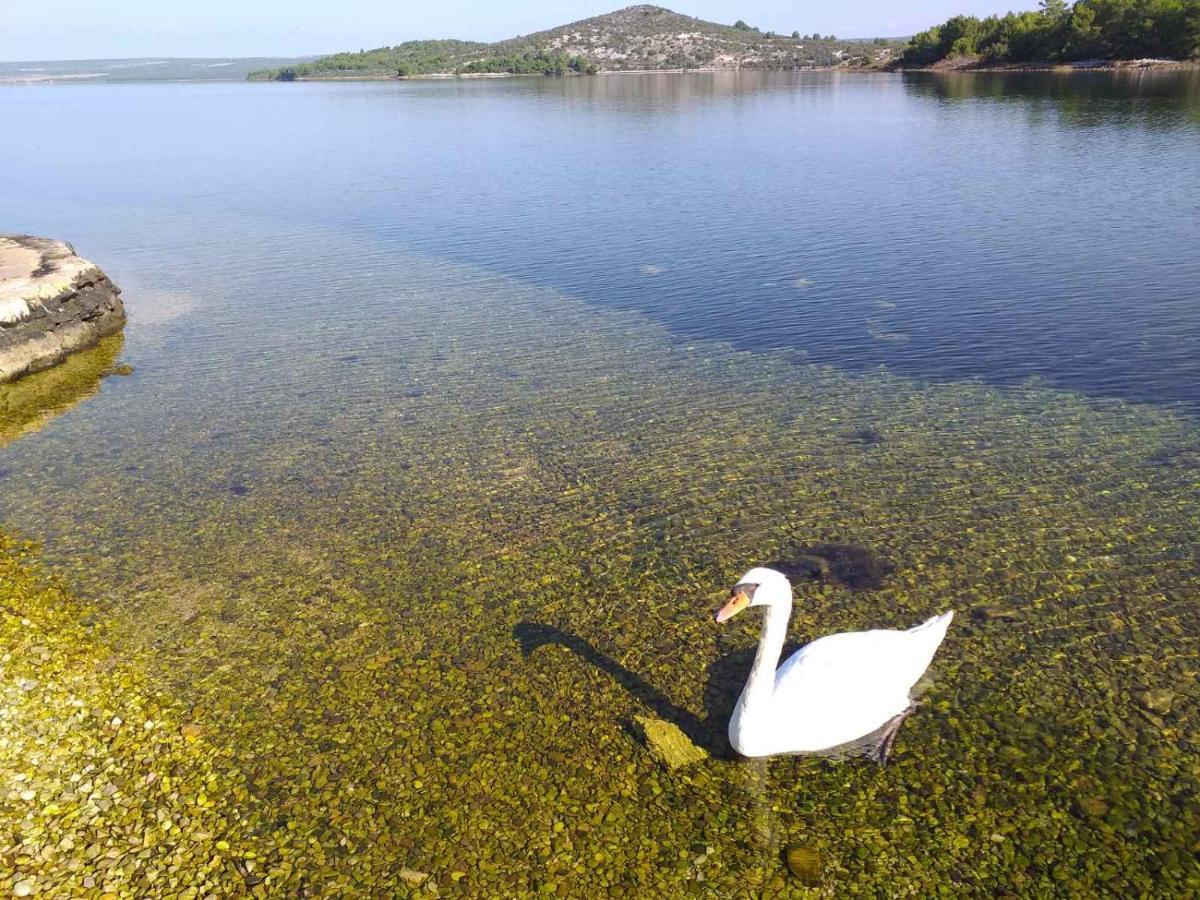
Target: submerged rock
column 991, row 611
column 866, row 437
column 1092, row 807
column 805, row 864
column 412, row 876
column 52, row 303
column 668, row 743
column 1157, row 701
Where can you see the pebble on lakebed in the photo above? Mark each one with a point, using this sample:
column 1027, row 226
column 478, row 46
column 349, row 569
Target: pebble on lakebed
column 805, row 864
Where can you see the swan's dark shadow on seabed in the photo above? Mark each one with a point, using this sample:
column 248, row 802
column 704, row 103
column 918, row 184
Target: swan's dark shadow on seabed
column 850, row 565
column 725, row 677
column 724, row 681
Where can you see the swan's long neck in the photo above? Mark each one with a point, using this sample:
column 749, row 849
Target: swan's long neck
column 761, row 683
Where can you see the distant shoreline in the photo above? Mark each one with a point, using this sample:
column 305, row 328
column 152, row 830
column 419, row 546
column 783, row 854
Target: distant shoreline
column 946, row 66
column 1090, row 65
column 745, row 69
column 1114, row 65
column 427, row 76
column 444, row 76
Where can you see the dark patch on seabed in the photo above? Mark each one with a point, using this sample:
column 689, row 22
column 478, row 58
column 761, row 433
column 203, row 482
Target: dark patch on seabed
column 851, row 565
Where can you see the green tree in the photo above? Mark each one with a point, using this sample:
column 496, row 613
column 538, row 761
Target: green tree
column 1121, row 29
column 960, row 35
column 1084, row 38
column 1191, row 34
column 924, row 48
column 581, row 65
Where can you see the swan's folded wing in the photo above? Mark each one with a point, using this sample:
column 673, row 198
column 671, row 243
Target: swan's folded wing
column 838, row 689
column 844, row 686
column 845, row 667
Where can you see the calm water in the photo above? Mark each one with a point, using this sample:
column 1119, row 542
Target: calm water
column 974, row 227
column 456, row 406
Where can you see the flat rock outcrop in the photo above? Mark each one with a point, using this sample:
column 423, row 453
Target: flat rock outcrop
column 52, row 303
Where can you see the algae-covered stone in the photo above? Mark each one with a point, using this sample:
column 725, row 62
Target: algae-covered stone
column 805, row 863
column 668, row 743
column 1158, row 700
column 1092, row 807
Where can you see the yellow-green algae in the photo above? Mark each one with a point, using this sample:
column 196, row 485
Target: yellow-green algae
column 30, row 402
column 108, row 789
column 344, row 632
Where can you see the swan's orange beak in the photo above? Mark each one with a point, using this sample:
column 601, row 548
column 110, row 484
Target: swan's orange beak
column 739, row 601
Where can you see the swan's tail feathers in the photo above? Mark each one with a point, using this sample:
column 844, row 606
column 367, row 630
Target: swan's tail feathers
column 928, row 636
column 932, row 632
column 936, row 624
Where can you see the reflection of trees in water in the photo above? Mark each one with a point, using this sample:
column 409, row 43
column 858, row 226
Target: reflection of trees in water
column 671, row 88
column 1164, row 98
column 30, row 402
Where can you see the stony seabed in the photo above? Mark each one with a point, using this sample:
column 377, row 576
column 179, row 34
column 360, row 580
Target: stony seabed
column 393, row 641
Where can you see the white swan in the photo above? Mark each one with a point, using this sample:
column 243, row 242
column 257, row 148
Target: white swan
column 831, row 692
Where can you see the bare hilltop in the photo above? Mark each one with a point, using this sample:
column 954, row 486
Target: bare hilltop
column 632, row 39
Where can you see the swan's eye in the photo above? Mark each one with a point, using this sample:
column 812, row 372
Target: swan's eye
column 744, row 588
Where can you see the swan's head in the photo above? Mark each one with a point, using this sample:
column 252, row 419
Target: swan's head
column 758, row 587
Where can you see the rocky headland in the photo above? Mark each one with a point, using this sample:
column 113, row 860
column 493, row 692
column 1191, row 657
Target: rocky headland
column 52, row 304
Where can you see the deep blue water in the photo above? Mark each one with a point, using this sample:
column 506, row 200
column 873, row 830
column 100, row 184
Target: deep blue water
column 951, row 227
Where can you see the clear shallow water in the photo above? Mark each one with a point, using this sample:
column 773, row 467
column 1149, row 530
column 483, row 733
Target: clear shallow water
column 947, row 227
column 412, row 502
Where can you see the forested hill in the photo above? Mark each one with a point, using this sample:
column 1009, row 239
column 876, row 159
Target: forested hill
column 1065, row 32
column 639, row 37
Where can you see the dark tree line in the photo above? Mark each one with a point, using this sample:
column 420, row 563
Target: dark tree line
column 1087, row 29
column 409, row 58
column 531, row 62
column 426, row 57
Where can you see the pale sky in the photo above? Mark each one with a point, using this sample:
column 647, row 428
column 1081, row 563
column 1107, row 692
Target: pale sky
column 86, row 29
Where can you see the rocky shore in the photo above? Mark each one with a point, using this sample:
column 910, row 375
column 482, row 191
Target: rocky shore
column 52, row 304
column 977, row 64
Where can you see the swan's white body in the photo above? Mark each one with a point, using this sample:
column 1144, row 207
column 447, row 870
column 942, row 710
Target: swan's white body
column 828, row 693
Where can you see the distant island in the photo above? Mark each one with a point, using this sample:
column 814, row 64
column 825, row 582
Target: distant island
column 637, row 38
column 1092, row 31
column 117, row 71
